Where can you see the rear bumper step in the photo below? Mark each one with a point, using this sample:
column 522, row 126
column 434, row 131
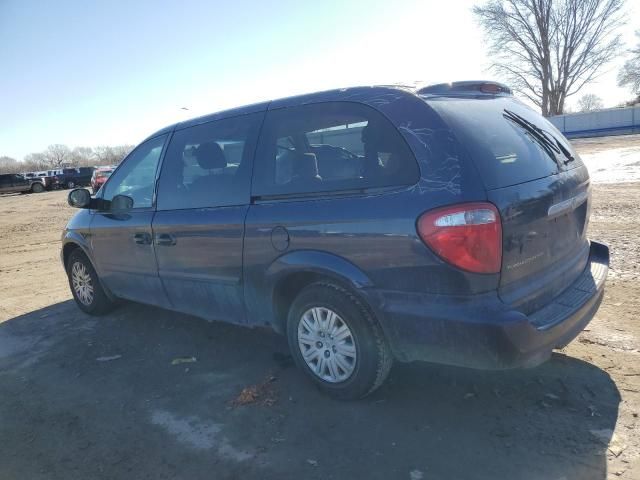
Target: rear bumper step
column 482, row 331
column 585, row 287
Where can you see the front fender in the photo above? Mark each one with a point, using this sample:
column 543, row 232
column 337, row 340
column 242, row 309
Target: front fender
column 81, row 239
column 77, row 232
column 70, row 237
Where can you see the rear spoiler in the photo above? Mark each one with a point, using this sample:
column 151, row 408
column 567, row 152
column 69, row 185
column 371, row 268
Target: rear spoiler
column 466, row 88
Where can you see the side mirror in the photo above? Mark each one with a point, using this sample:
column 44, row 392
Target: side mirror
column 79, row 198
column 121, row 203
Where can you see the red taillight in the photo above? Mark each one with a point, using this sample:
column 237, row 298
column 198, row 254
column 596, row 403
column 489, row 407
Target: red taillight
column 468, row 236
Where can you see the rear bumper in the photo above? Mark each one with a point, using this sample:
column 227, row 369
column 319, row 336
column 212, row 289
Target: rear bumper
column 481, row 331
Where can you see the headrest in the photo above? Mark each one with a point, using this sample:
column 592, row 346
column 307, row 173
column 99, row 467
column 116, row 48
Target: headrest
column 305, row 165
column 210, row 155
column 377, row 138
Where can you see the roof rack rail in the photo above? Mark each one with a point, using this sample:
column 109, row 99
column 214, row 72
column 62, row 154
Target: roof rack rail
column 468, row 87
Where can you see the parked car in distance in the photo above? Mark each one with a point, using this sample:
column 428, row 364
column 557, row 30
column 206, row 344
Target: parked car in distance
column 75, row 177
column 46, row 178
column 444, row 224
column 99, row 176
column 46, row 182
column 17, row 183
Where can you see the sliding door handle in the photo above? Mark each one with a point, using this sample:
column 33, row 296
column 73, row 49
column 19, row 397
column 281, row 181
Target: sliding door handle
column 142, row 238
column 165, row 239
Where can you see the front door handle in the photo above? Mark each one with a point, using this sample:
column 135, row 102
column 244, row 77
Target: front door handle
column 142, row 238
column 165, row 239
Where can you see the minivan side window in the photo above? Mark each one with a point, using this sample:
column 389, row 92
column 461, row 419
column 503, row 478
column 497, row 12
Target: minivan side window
column 136, row 176
column 209, row 165
column 330, row 147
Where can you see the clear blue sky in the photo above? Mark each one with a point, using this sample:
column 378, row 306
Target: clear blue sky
column 88, row 73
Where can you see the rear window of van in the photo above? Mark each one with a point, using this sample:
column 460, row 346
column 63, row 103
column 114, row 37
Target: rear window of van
column 504, row 152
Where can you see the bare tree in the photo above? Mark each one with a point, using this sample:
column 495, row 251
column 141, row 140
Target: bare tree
column 590, row 103
column 82, row 157
column 629, row 75
column 9, row 165
column 103, row 155
column 548, row 50
column 57, row 155
column 106, row 155
column 121, row 151
column 35, row 161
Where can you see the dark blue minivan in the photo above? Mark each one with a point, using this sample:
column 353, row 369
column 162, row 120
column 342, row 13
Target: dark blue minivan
column 445, row 224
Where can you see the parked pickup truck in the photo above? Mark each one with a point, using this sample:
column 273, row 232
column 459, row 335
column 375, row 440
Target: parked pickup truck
column 17, row 183
column 47, row 179
column 74, row 177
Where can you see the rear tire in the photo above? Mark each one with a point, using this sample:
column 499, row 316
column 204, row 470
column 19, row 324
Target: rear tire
column 37, row 188
column 85, row 285
column 337, row 342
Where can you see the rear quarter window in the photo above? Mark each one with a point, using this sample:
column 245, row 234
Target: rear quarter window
column 504, row 152
column 330, row 147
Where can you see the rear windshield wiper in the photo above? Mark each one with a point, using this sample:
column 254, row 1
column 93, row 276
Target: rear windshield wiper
column 545, row 142
column 550, row 143
column 567, row 153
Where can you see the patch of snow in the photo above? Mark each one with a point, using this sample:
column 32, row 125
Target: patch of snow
column 614, row 166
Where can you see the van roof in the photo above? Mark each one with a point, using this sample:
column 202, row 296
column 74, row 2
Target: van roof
column 356, row 93
column 375, row 94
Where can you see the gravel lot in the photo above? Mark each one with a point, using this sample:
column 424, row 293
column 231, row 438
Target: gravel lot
column 102, row 398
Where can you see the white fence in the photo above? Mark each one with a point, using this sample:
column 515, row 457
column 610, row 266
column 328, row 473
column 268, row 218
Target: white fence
column 613, row 121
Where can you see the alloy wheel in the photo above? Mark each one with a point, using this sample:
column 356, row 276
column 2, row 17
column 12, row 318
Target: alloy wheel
column 82, row 284
column 327, row 344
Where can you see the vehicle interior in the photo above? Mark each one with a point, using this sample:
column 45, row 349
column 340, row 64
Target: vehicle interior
column 337, row 152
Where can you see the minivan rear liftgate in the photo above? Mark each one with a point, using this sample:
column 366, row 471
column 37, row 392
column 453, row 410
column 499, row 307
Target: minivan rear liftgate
column 541, row 189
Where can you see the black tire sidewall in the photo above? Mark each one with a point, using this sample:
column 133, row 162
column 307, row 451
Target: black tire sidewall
column 354, row 314
column 37, row 188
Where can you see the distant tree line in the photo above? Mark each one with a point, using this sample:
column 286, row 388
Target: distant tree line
column 59, row 156
column 590, row 103
column 629, row 76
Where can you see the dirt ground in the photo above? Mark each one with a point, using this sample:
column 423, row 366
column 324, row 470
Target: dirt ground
column 122, row 397
column 599, row 144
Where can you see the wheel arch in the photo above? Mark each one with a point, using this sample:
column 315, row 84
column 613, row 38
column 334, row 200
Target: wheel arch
column 74, row 241
column 291, row 273
column 71, row 242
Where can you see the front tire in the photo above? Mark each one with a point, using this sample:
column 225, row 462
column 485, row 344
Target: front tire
column 337, row 342
column 71, row 184
column 37, row 188
column 85, row 285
